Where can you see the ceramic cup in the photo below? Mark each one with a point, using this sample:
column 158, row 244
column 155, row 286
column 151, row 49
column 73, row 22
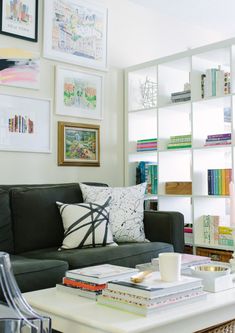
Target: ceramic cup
column 170, row 266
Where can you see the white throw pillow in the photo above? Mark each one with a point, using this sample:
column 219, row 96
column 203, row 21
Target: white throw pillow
column 126, row 209
column 86, row 224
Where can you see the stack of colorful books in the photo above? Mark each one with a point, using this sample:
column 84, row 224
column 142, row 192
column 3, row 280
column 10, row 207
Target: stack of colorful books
column 180, row 141
column 147, row 144
column 147, row 172
column 216, row 234
column 152, row 294
column 90, row 281
column 181, row 96
column 218, row 181
column 218, row 139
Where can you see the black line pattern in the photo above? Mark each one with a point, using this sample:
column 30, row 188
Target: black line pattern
column 91, row 229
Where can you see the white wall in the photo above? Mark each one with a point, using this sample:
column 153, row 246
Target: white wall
column 136, row 34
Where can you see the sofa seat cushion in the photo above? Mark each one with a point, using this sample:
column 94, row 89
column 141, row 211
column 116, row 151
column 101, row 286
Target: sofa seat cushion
column 126, row 254
column 32, row 274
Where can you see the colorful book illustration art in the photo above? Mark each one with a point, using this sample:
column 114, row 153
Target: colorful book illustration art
column 19, row 68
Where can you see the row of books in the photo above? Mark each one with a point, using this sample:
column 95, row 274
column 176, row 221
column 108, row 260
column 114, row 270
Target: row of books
column 181, row 96
column 148, row 172
column 147, row 144
column 216, row 234
column 180, row 141
column 218, row 181
column 215, row 82
column 152, row 294
column 218, row 139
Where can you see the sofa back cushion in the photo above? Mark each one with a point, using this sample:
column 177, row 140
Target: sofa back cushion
column 6, row 234
column 37, row 222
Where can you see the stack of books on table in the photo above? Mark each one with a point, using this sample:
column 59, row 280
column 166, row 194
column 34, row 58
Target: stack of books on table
column 90, row 281
column 152, row 294
column 181, row 96
column 218, row 139
column 180, row 141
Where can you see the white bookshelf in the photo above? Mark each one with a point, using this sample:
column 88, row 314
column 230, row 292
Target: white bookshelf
column 199, row 117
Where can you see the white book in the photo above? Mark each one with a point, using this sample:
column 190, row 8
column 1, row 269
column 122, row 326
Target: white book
column 154, row 286
column 101, row 273
column 77, row 291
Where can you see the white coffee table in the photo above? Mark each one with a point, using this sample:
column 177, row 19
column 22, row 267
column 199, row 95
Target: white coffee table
column 71, row 314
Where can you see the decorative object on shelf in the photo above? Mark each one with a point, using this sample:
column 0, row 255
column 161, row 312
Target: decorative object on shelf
column 149, row 93
column 19, row 68
column 218, row 181
column 25, row 124
column 19, row 19
column 76, row 32
column 78, row 94
column 180, row 141
column 78, row 144
column 218, row 139
column 215, row 82
column 181, row 188
column 181, row 96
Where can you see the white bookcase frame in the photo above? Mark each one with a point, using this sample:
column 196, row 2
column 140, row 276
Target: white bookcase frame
column 198, row 117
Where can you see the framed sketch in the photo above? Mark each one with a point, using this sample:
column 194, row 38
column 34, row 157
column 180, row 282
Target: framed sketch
column 19, row 18
column 19, row 68
column 78, row 144
column 78, row 94
column 25, row 124
column 76, row 32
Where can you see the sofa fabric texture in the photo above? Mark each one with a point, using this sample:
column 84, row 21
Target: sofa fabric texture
column 31, row 231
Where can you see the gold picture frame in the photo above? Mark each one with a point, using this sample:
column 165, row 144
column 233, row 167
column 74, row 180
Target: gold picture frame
column 78, row 144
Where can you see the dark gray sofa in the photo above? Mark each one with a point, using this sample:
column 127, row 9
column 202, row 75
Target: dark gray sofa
column 31, row 231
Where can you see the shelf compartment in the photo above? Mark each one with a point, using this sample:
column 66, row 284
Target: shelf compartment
column 181, row 204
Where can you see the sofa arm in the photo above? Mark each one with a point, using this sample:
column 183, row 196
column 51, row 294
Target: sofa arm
column 168, row 227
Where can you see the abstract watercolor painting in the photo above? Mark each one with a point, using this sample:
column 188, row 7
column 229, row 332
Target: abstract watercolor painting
column 19, row 68
column 25, row 124
column 76, row 32
column 19, row 18
column 78, row 94
column 79, row 144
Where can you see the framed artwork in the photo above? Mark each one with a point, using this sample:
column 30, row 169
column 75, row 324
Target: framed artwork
column 78, row 94
column 76, row 32
column 19, row 68
column 19, row 18
column 25, row 124
column 78, row 144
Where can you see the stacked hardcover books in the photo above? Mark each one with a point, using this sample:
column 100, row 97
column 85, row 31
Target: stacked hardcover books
column 90, row 281
column 180, row 141
column 218, row 181
column 218, row 139
column 147, row 144
column 151, row 295
column 215, row 82
column 181, row 96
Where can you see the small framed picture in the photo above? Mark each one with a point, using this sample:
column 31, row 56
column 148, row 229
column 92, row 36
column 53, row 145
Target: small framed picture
column 78, row 94
column 76, row 32
column 78, row 144
column 19, row 18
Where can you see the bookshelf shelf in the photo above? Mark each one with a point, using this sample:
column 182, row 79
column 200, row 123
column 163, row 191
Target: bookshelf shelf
column 201, row 84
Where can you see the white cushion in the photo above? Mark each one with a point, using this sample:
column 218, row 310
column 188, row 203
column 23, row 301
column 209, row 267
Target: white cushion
column 126, row 209
column 86, row 224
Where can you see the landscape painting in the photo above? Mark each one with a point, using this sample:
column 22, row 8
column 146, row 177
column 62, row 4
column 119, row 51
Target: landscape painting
column 78, row 144
column 78, row 94
column 76, row 32
column 19, row 68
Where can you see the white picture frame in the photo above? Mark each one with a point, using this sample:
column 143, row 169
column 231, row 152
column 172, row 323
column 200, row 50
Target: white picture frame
column 78, row 93
column 69, row 38
column 25, row 124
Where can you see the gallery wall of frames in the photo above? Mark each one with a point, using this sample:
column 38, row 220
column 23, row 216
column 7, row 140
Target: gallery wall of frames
column 70, row 42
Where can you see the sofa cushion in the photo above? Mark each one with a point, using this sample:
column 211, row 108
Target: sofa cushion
column 85, row 224
column 6, row 234
column 126, row 209
column 36, row 219
column 126, row 254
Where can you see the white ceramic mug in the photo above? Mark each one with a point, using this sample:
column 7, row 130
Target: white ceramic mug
column 170, row 266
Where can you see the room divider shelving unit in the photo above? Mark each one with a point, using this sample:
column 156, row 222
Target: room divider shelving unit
column 150, row 113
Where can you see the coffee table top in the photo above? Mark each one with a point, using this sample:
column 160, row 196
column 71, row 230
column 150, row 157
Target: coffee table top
column 217, row 307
